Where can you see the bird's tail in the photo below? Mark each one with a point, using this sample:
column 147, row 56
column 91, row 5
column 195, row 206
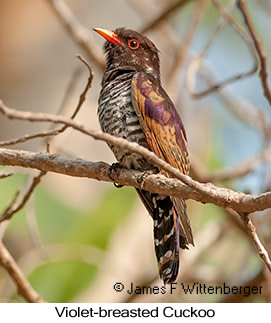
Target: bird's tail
column 166, row 238
column 169, row 232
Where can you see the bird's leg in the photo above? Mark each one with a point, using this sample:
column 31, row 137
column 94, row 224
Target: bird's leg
column 113, row 168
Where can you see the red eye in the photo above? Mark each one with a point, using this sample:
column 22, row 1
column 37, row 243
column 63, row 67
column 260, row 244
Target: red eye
column 133, row 44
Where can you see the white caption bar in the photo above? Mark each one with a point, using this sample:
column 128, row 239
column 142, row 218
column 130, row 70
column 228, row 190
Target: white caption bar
column 105, row 312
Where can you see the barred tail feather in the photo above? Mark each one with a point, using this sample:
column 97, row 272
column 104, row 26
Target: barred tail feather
column 166, row 238
column 171, row 231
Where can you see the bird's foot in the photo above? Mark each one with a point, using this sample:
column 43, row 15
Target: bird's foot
column 114, row 168
column 141, row 179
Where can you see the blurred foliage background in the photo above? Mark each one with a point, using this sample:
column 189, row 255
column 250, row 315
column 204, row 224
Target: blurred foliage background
column 77, row 237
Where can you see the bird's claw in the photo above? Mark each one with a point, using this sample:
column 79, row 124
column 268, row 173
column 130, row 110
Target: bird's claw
column 141, row 179
column 118, row 185
column 113, row 168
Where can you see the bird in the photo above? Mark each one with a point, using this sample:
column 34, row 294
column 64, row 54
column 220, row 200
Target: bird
column 133, row 105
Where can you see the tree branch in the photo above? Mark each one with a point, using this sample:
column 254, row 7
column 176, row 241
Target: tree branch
column 242, row 5
column 23, row 286
column 77, row 167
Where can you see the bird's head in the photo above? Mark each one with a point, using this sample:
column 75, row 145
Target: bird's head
column 128, row 48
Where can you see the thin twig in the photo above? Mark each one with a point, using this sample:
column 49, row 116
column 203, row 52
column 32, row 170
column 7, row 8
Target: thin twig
column 70, row 90
column 222, row 22
column 256, row 240
column 200, row 172
column 182, row 50
column 5, row 175
column 242, row 5
column 21, row 197
column 28, row 137
column 82, row 97
column 195, row 64
column 50, row 132
column 266, row 4
column 164, row 15
column 24, row 288
column 244, row 110
column 77, row 31
column 234, row 218
column 34, row 232
column 240, row 169
column 55, row 132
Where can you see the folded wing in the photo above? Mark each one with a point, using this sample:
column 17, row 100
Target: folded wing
column 165, row 134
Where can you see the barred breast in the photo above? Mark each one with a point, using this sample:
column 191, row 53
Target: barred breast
column 118, row 118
